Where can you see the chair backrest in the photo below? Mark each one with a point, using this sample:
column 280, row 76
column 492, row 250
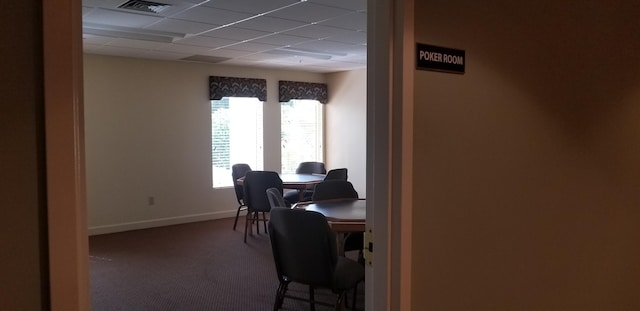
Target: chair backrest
column 311, row 168
column 304, row 246
column 275, row 198
column 239, row 170
column 334, row 189
column 336, row 173
column 255, row 185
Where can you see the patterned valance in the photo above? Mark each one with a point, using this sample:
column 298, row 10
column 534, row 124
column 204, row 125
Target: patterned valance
column 220, row 87
column 289, row 90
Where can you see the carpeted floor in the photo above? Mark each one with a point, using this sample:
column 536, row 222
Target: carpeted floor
column 197, row 266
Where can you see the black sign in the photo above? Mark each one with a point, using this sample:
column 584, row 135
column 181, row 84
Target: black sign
column 430, row 57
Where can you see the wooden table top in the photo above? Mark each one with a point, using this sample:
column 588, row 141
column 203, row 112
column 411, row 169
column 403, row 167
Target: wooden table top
column 341, row 210
column 296, row 181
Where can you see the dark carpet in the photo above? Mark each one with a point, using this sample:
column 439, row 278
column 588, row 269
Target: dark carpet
column 196, row 266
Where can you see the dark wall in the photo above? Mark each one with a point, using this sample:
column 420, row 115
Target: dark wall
column 23, row 234
column 526, row 171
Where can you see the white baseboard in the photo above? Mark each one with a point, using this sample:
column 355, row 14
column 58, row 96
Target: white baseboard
column 159, row 222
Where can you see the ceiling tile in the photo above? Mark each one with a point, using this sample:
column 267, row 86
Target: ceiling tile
column 309, row 13
column 354, row 37
column 260, row 57
column 136, row 44
column 206, row 41
column 312, row 35
column 211, row 16
column 353, row 21
column 117, row 18
column 329, row 47
column 96, row 39
column 280, row 39
column 271, row 24
column 317, row 31
column 253, row 47
column 235, row 33
column 182, row 26
column 249, row 6
column 226, row 52
column 354, row 5
column 187, row 49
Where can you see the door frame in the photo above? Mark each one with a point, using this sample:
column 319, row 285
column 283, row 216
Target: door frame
column 388, row 286
column 65, row 169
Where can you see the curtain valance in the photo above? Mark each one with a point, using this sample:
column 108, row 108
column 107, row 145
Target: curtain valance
column 220, row 87
column 289, row 90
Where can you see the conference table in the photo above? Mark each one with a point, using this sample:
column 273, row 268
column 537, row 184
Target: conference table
column 345, row 216
column 299, row 182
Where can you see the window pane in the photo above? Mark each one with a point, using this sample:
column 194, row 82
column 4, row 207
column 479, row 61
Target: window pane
column 301, row 135
column 236, row 136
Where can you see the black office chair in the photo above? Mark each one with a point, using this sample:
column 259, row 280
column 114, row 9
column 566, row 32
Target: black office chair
column 304, row 250
column 256, row 184
column 334, row 174
column 334, row 189
column 293, row 197
column 238, row 171
column 337, row 174
column 341, row 189
column 311, row 168
column 275, row 198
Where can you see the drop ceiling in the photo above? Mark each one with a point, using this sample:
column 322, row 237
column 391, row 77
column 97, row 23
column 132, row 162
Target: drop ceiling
column 311, row 35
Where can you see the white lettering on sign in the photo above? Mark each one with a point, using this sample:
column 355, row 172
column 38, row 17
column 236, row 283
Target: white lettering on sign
column 431, row 56
column 453, row 59
column 441, row 58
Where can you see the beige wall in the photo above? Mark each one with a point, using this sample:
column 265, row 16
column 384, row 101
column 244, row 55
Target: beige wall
column 526, row 172
column 148, row 134
column 346, row 120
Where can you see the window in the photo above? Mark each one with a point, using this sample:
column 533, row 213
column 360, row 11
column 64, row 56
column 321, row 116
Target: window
column 301, row 133
column 236, row 136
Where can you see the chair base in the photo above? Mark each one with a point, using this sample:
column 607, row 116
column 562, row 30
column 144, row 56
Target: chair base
column 281, row 294
column 254, row 217
column 240, row 208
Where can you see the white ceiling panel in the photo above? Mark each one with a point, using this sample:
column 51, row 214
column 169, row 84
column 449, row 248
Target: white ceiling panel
column 260, row 57
column 254, row 47
column 121, row 51
column 91, row 39
column 165, row 55
column 229, row 53
column 86, row 10
column 209, row 42
column 137, row 44
column 312, row 35
column 282, row 40
column 211, row 16
column 353, row 5
column 271, row 24
column 317, row 31
column 182, row 26
column 353, row 21
column 250, row 6
column 358, row 38
column 296, row 60
column 181, row 48
column 308, row 12
column 329, row 47
column 235, row 33
column 117, row 18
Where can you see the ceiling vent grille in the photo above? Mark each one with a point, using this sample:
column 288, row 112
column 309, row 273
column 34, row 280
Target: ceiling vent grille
column 144, row 6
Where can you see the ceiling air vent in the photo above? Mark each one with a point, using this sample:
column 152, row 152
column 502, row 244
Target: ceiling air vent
column 144, row 6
